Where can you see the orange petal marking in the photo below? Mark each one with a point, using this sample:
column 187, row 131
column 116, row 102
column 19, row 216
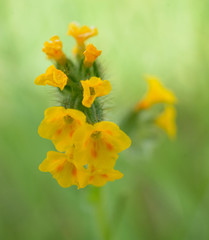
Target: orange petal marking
column 109, row 146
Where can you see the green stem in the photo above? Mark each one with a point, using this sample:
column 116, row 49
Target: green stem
column 101, row 217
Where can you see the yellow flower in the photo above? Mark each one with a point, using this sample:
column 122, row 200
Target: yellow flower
column 99, row 144
column 92, row 88
column 166, row 121
column 52, row 77
column 60, row 124
column 91, row 53
column 63, row 168
column 81, row 34
column 99, row 177
column 53, row 49
column 157, row 93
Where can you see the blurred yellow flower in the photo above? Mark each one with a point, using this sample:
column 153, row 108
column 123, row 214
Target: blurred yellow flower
column 81, row 34
column 157, row 93
column 99, row 144
column 92, row 88
column 63, row 168
column 60, row 124
column 167, row 121
column 99, row 177
column 53, row 50
column 91, row 53
column 52, row 77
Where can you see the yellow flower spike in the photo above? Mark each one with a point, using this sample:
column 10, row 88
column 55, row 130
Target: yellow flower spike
column 100, row 177
column 100, row 143
column 157, row 93
column 52, row 77
column 64, row 170
column 81, row 34
column 53, row 50
column 92, row 88
column 167, row 122
column 60, row 124
column 91, row 53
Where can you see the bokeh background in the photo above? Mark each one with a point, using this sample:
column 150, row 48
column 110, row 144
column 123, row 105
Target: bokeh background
column 165, row 192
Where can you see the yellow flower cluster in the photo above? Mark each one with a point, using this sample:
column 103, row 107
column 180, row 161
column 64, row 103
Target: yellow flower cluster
column 90, row 151
column 157, row 93
column 87, row 146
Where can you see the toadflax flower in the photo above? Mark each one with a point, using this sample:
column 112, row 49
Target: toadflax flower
column 81, row 34
column 157, row 93
column 99, row 144
column 63, row 168
column 60, row 124
column 166, row 121
column 53, row 50
column 52, row 77
column 91, row 53
column 92, row 88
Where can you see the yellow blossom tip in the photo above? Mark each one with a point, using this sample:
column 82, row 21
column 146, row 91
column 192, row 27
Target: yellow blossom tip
column 52, row 77
column 91, row 53
column 92, row 88
column 53, row 50
column 81, row 33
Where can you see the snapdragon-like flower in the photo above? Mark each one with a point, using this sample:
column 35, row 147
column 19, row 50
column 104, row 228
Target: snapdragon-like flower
column 92, row 88
column 81, row 34
column 52, row 77
column 60, row 124
column 53, row 50
column 99, row 144
column 167, row 122
column 91, row 53
column 157, row 93
column 63, row 168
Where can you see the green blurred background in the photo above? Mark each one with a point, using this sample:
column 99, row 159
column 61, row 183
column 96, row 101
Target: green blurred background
column 164, row 193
